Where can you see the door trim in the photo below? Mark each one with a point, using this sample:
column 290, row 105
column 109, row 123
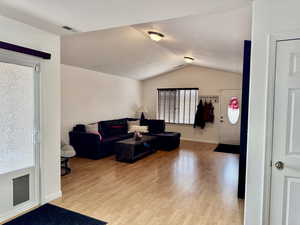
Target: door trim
column 273, row 39
column 220, row 108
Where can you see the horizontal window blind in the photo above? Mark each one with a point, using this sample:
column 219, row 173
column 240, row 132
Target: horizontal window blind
column 177, row 105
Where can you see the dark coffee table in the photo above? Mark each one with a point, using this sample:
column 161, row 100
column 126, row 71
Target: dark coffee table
column 130, row 150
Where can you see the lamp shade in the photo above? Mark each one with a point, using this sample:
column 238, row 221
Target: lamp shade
column 142, row 109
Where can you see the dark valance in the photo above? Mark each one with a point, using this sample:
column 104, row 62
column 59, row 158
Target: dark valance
column 24, row 50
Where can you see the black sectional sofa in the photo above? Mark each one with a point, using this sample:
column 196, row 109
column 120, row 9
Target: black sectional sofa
column 89, row 145
column 166, row 140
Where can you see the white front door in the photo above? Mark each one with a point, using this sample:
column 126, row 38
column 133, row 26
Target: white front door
column 230, row 107
column 285, row 184
column 19, row 164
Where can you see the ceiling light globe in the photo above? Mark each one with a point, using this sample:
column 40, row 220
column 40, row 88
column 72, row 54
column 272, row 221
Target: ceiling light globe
column 188, row 59
column 155, row 36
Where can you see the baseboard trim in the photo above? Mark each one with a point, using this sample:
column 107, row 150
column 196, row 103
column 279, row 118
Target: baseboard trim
column 17, row 212
column 52, row 197
column 27, row 207
column 199, row 140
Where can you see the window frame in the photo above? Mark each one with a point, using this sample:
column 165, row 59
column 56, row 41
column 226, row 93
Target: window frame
column 177, row 105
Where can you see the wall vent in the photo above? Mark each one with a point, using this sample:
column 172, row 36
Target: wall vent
column 68, row 28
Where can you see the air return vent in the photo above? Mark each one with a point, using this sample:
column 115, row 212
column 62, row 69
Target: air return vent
column 20, row 189
column 68, row 28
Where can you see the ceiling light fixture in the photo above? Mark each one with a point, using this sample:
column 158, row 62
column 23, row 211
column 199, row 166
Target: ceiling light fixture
column 155, row 36
column 188, row 59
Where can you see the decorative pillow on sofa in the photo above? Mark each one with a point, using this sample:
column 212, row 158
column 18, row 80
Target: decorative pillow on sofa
column 142, row 129
column 93, row 129
column 133, row 123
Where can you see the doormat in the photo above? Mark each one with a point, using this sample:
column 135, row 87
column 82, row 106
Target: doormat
column 234, row 149
column 53, row 215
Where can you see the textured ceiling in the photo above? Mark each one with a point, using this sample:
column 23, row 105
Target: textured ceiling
column 94, row 15
column 214, row 40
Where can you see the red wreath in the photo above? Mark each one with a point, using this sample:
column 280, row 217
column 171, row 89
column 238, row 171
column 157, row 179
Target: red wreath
column 234, row 103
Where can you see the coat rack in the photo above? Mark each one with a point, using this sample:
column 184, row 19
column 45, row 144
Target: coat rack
column 208, row 98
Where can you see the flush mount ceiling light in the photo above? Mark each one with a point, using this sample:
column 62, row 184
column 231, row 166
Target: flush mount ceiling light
column 188, row 59
column 155, row 36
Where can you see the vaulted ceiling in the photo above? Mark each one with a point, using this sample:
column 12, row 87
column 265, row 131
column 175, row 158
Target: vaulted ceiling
column 93, row 15
column 214, row 40
column 112, row 36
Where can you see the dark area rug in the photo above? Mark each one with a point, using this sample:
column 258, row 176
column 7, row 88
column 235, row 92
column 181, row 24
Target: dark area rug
column 234, row 149
column 52, row 215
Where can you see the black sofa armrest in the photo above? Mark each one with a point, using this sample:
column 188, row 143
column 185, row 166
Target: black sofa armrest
column 86, row 144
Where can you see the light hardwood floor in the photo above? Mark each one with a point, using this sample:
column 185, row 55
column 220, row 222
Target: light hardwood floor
column 192, row 185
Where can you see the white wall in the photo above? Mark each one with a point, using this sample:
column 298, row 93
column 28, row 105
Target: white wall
column 270, row 17
column 209, row 82
column 24, row 35
column 90, row 96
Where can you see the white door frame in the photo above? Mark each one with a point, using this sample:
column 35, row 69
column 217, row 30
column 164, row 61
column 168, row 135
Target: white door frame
column 25, row 60
column 220, row 108
column 267, row 173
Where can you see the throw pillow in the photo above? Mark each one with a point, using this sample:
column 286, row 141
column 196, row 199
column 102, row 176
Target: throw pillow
column 93, row 129
column 133, row 123
column 142, row 129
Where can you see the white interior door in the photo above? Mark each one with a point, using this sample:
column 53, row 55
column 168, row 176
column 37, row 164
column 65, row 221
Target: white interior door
column 230, row 111
column 19, row 158
column 285, row 186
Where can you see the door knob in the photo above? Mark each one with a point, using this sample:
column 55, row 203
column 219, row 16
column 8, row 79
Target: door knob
column 279, row 165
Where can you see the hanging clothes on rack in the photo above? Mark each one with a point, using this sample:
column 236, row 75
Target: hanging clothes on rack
column 199, row 117
column 211, row 115
column 206, row 112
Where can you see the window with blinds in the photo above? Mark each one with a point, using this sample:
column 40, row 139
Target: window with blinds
column 177, row 105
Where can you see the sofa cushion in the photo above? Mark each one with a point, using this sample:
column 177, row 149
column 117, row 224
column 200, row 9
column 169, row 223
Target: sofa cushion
column 132, row 119
column 113, row 127
column 154, row 126
column 79, row 128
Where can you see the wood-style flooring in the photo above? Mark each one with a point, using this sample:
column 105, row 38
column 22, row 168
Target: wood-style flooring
column 192, row 185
